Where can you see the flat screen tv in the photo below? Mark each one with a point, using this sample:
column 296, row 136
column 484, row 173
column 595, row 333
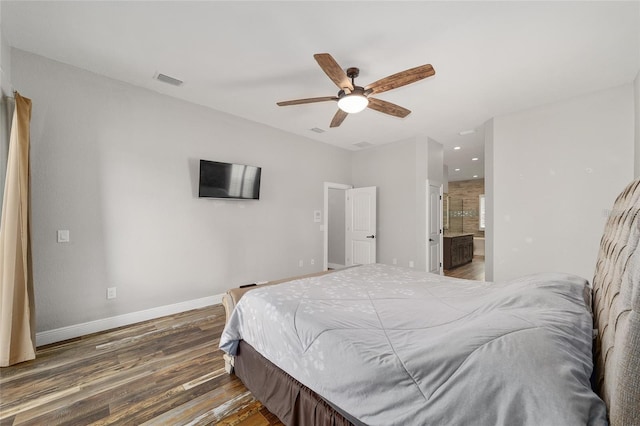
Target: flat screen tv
column 229, row 181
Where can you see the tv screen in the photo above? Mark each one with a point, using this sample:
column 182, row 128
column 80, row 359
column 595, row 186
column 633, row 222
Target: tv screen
column 225, row 180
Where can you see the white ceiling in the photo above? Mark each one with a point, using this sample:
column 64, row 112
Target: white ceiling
column 491, row 58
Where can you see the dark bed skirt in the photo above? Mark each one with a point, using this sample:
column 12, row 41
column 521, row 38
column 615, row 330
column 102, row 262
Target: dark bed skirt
column 293, row 403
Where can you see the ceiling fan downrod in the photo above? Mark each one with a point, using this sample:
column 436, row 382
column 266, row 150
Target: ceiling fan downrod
column 352, row 73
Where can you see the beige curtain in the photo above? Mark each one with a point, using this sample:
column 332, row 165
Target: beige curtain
column 17, row 327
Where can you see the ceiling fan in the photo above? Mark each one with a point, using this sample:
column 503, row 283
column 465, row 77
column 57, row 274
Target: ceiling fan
column 352, row 99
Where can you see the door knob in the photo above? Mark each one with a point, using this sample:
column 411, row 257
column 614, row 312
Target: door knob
column 371, row 236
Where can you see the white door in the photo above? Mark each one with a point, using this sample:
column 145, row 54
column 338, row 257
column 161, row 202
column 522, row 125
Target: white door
column 360, row 219
column 434, row 231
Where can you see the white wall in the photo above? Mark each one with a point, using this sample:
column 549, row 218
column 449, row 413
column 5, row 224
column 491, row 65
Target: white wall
column 636, row 86
column 399, row 170
column 118, row 166
column 556, row 171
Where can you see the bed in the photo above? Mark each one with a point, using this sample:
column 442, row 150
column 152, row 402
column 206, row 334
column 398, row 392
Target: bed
column 382, row 345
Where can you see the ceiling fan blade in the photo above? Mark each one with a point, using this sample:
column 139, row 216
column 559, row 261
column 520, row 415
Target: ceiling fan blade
column 338, row 118
column 333, row 70
column 400, row 79
column 307, row 101
column 388, row 108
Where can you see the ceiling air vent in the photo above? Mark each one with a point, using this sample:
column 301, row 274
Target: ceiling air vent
column 317, row 130
column 169, row 80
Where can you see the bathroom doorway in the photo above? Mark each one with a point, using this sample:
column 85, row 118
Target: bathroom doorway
column 463, row 217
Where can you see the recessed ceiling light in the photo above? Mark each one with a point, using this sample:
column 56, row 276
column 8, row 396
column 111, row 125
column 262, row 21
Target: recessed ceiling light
column 457, row 170
column 467, row 132
column 474, row 159
column 456, row 148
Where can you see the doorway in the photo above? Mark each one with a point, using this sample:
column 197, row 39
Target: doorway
column 334, row 225
column 349, row 225
column 465, row 216
column 336, row 257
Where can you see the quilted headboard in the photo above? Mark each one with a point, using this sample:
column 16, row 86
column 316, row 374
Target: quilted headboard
column 616, row 304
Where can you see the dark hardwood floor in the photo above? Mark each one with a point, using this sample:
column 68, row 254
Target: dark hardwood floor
column 167, row 371
column 470, row 271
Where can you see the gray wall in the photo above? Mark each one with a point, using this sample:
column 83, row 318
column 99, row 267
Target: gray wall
column 556, row 170
column 118, row 167
column 399, row 170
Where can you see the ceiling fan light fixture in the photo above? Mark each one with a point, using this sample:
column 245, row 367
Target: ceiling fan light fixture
column 353, row 103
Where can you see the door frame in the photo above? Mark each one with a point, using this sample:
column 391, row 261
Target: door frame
column 433, row 182
column 325, row 225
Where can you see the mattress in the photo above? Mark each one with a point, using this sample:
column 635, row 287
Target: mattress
column 394, row 346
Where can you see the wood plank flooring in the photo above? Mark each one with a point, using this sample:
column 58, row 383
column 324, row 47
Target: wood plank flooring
column 470, row 271
column 167, row 371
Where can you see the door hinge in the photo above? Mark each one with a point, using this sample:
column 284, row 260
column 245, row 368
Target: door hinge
column 439, row 231
column 441, row 197
column 441, row 264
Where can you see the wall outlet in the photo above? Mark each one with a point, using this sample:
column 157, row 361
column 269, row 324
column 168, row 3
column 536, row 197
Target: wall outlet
column 300, row 263
column 111, row 293
column 313, row 261
column 394, row 261
column 411, row 264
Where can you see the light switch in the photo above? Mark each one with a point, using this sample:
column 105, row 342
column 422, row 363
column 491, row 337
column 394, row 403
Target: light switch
column 63, row 235
column 317, row 216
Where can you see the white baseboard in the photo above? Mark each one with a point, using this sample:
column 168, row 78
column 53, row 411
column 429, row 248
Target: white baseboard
column 77, row 330
column 336, row 266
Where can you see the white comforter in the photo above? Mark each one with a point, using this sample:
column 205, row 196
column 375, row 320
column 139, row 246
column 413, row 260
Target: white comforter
column 393, row 346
